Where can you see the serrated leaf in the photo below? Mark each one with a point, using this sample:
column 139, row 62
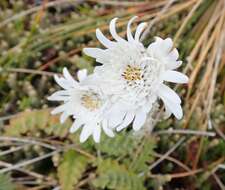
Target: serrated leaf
column 121, row 145
column 37, row 120
column 71, row 169
column 116, row 176
column 143, row 156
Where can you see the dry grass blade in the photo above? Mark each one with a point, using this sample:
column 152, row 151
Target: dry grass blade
column 187, row 132
column 218, row 50
column 33, row 10
column 152, row 22
column 167, row 154
column 219, row 182
column 28, row 162
column 181, row 29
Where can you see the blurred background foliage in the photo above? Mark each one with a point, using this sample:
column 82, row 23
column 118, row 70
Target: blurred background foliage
column 40, row 37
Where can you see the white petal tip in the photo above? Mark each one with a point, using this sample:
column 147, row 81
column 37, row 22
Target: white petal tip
column 179, row 117
column 114, row 19
column 97, row 31
column 157, row 38
column 134, row 17
column 50, row 98
column 66, row 73
column 119, row 129
column 186, row 79
column 82, row 140
column 65, row 69
column 62, row 121
column 87, row 51
column 56, row 77
column 71, row 130
column 82, row 74
column 53, row 112
column 169, row 39
column 137, row 129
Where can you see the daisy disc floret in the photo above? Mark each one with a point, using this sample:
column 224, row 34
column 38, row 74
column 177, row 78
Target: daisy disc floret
column 134, row 76
column 83, row 101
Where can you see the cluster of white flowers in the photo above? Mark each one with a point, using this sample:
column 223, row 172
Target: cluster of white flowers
column 124, row 88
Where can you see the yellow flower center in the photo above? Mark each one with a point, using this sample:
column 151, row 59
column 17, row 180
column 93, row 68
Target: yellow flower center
column 132, row 73
column 91, row 101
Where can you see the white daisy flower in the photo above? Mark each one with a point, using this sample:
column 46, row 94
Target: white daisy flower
column 85, row 102
column 134, row 75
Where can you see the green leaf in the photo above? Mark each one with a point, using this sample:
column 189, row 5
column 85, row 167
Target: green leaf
column 121, row 145
column 116, row 176
column 5, row 182
column 71, row 169
column 143, row 155
column 37, row 120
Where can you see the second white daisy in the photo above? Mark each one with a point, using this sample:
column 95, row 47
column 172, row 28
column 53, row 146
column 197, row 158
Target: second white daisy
column 84, row 102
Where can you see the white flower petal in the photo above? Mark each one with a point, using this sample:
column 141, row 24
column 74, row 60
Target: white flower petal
column 97, row 134
column 68, row 77
column 154, row 49
column 166, row 92
column 106, row 129
column 116, row 118
column 61, row 95
column 112, row 29
column 175, row 108
column 130, row 37
column 139, row 30
column 94, row 52
column 105, row 41
column 86, row 132
column 100, row 55
column 160, row 49
column 158, row 39
column 167, row 45
column 173, row 64
column 82, row 74
column 167, row 113
column 174, row 76
column 139, row 120
column 148, row 105
column 58, row 98
column 76, row 125
column 127, row 120
column 61, row 82
column 63, row 117
column 174, row 54
column 59, row 109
